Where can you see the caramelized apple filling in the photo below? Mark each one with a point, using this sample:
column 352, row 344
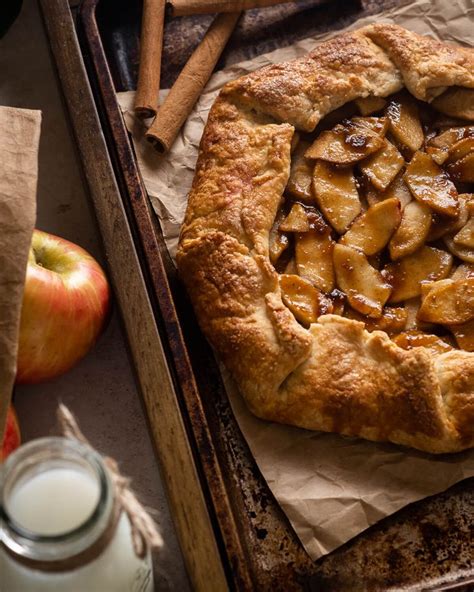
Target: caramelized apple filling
column 377, row 223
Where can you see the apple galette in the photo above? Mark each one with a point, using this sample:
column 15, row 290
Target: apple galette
column 328, row 245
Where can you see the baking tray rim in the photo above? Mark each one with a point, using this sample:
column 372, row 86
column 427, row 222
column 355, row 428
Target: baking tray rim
column 243, row 580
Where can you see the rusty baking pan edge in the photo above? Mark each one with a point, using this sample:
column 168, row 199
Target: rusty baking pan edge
column 154, row 379
column 205, row 455
column 221, row 498
column 152, row 372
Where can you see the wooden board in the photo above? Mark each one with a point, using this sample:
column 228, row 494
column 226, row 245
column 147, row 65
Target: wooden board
column 187, row 502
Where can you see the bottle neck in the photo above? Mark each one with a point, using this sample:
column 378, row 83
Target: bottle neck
column 57, row 504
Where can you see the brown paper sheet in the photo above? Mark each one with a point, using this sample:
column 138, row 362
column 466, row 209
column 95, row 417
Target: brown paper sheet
column 19, row 133
column 330, row 487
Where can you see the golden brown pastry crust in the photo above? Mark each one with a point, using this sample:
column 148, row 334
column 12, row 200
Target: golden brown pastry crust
column 335, row 376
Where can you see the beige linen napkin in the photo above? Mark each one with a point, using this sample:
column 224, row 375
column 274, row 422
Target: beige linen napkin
column 19, row 133
column 330, row 487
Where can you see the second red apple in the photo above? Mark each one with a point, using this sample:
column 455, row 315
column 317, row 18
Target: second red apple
column 11, row 438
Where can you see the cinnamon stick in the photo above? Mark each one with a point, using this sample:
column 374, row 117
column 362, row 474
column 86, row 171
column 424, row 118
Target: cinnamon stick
column 190, row 83
column 187, row 7
column 151, row 44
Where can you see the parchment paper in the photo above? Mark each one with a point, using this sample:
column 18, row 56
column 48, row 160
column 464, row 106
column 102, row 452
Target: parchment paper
column 330, row 487
column 19, row 133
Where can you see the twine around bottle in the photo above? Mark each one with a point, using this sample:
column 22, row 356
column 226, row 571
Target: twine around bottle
column 145, row 534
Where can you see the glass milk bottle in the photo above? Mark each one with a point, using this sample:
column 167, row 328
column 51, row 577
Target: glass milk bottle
column 61, row 528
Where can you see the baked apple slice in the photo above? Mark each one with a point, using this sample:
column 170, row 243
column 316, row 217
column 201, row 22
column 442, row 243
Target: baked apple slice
column 370, row 104
column 372, row 230
column 365, row 287
column 336, row 194
column 456, row 102
column 460, row 149
column 412, row 232
column 405, row 125
column 301, row 173
column 439, row 146
column 448, row 302
column 305, row 301
column 429, row 184
column 296, row 221
column 278, row 241
column 290, row 267
column 426, row 264
column 464, row 335
column 302, row 219
column 370, row 194
column 295, row 140
column 426, row 287
column 464, row 253
column 392, row 321
column 441, row 225
column 462, row 170
column 465, row 237
column 463, row 271
column 366, row 132
column 383, row 166
column 412, row 306
column 397, row 189
column 411, row 339
column 331, row 146
column 350, row 142
column 313, row 256
column 437, row 154
column 451, row 136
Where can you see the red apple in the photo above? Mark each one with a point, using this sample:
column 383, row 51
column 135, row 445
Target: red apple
column 65, row 306
column 11, row 438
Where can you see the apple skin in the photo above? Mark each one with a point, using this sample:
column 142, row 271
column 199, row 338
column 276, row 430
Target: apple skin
column 12, row 437
column 65, row 307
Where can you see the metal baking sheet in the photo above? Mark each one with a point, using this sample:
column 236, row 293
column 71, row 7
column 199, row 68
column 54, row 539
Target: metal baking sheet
column 426, row 546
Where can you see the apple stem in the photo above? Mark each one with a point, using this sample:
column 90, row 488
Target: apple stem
column 31, row 256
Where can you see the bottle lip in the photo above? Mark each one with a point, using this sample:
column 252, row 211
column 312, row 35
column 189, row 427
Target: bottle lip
column 54, row 447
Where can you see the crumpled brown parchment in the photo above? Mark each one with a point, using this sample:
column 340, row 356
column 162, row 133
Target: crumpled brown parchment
column 19, row 133
column 330, row 487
